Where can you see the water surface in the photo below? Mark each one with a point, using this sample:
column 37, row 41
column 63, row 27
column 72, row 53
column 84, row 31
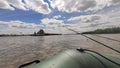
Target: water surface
column 17, row 50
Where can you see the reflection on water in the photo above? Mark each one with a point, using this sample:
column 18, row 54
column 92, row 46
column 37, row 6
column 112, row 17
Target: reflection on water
column 17, row 50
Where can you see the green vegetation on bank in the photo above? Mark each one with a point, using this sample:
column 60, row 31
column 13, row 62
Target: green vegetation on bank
column 104, row 31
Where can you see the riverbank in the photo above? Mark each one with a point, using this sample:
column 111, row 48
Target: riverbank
column 115, row 30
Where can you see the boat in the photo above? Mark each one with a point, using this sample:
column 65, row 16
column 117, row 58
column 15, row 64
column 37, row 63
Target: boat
column 80, row 58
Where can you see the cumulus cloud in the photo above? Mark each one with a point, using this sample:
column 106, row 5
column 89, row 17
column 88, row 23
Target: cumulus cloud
column 17, row 27
column 81, row 5
column 19, row 24
column 58, row 26
column 36, row 5
column 86, row 22
column 103, row 19
column 51, row 22
column 17, row 3
column 97, row 21
column 53, row 25
column 41, row 6
column 6, row 4
column 92, row 19
column 58, row 16
column 89, row 18
column 114, row 2
column 78, row 5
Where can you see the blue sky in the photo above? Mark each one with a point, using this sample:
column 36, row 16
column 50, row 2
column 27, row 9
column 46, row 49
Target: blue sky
column 25, row 16
column 55, row 16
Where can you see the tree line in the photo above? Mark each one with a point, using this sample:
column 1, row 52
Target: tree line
column 104, row 31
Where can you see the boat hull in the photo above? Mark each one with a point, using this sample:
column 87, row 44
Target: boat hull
column 76, row 59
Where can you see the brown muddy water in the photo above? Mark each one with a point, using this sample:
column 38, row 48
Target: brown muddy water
column 15, row 51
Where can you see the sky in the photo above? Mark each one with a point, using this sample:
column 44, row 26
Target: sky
column 57, row 16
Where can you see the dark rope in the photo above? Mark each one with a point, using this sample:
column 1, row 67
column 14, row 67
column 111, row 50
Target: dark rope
column 101, row 43
column 98, row 60
column 81, row 50
column 26, row 64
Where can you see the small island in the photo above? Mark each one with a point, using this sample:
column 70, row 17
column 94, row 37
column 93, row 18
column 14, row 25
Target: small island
column 42, row 33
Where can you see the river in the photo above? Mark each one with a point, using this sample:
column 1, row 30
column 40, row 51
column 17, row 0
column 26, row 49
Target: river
column 17, row 50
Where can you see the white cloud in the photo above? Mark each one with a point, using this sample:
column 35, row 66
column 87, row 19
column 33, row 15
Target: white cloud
column 81, row 5
column 17, row 27
column 58, row 16
column 113, row 17
column 36, row 5
column 114, row 2
column 103, row 19
column 53, row 25
column 5, row 5
column 19, row 24
column 84, row 23
column 51, row 22
column 13, row 30
column 78, row 5
column 17, row 3
column 97, row 21
column 89, row 18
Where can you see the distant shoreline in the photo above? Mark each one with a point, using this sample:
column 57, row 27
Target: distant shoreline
column 115, row 30
column 12, row 35
column 47, row 34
